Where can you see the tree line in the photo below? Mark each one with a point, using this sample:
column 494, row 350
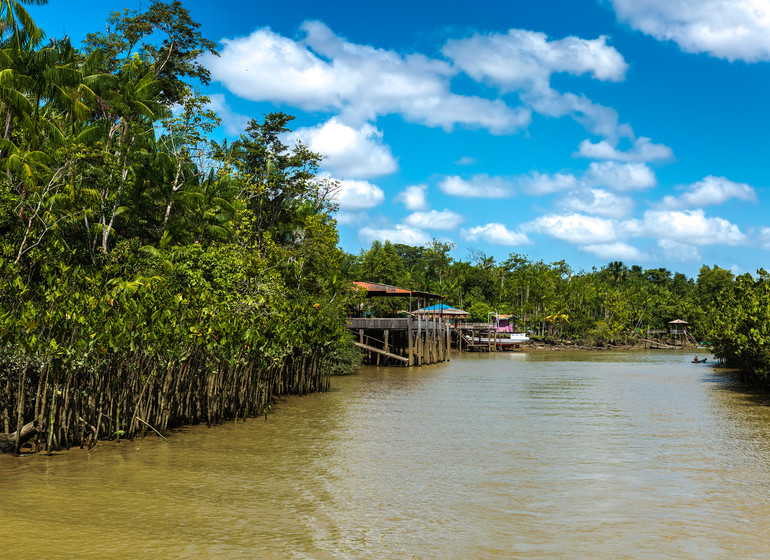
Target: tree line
column 150, row 276
column 614, row 304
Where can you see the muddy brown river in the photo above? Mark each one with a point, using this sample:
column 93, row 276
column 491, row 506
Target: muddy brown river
column 638, row 455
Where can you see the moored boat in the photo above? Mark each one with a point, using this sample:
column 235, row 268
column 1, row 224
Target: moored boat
column 509, row 339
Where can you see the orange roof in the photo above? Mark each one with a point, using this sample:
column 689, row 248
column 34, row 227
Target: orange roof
column 373, row 289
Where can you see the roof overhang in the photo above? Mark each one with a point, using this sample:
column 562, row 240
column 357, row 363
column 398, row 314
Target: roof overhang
column 374, row 289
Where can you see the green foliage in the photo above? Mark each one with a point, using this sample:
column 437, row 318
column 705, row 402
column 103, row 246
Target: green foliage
column 150, row 280
column 739, row 324
column 479, row 312
column 712, row 281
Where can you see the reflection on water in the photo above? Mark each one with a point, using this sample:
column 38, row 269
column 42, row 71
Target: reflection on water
column 541, row 455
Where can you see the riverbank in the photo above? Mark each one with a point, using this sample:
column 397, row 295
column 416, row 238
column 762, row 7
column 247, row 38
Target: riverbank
column 550, row 344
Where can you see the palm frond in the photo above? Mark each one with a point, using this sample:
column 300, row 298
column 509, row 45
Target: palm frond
column 89, row 135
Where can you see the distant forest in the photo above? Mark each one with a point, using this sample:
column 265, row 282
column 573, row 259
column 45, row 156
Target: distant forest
column 615, row 304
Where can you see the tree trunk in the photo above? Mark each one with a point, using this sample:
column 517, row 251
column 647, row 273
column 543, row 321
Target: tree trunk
column 10, row 443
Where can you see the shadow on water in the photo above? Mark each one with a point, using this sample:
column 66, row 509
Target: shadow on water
column 730, row 380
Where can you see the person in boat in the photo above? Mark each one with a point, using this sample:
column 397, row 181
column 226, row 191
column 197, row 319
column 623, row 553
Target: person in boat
column 695, row 359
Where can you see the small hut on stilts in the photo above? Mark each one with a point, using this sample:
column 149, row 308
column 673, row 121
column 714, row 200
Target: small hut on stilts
column 677, row 331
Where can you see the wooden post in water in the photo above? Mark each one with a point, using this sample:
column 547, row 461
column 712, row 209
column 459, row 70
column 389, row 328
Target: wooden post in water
column 385, row 339
column 410, row 341
column 431, row 357
column 432, row 342
column 361, row 339
column 419, row 334
column 428, row 334
column 433, row 345
column 440, row 340
column 433, row 332
column 448, row 340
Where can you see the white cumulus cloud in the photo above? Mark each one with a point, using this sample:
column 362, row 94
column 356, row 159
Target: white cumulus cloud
column 615, row 251
column 325, row 72
column 321, row 71
column 730, row 29
column 542, row 183
column 479, row 186
column 434, row 220
column 621, row 176
column 349, row 153
column 598, row 202
column 414, row 197
column 577, row 229
column 523, row 61
column 676, row 251
column 352, row 218
column 496, row 234
column 692, row 227
column 709, row 192
column 358, row 195
column 642, row 149
column 400, row 233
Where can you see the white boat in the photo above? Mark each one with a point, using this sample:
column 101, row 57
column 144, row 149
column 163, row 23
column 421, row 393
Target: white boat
column 505, row 339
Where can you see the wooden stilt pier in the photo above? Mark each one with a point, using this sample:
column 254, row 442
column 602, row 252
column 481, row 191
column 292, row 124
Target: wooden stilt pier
column 410, row 342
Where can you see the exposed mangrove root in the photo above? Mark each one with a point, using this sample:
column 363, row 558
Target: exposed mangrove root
column 124, row 400
column 153, row 429
column 10, row 443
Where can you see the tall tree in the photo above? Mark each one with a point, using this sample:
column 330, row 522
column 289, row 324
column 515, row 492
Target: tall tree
column 280, row 182
column 174, row 60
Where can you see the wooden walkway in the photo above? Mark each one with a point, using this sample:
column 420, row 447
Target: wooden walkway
column 411, row 342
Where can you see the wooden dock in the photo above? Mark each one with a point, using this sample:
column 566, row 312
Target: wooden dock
column 411, row 342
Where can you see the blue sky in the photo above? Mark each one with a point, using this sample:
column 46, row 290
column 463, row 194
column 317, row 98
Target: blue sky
column 584, row 130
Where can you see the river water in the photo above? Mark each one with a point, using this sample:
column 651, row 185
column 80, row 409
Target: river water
column 513, row 455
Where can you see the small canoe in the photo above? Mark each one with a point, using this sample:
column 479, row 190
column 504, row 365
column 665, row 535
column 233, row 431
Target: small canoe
column 703, row 361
